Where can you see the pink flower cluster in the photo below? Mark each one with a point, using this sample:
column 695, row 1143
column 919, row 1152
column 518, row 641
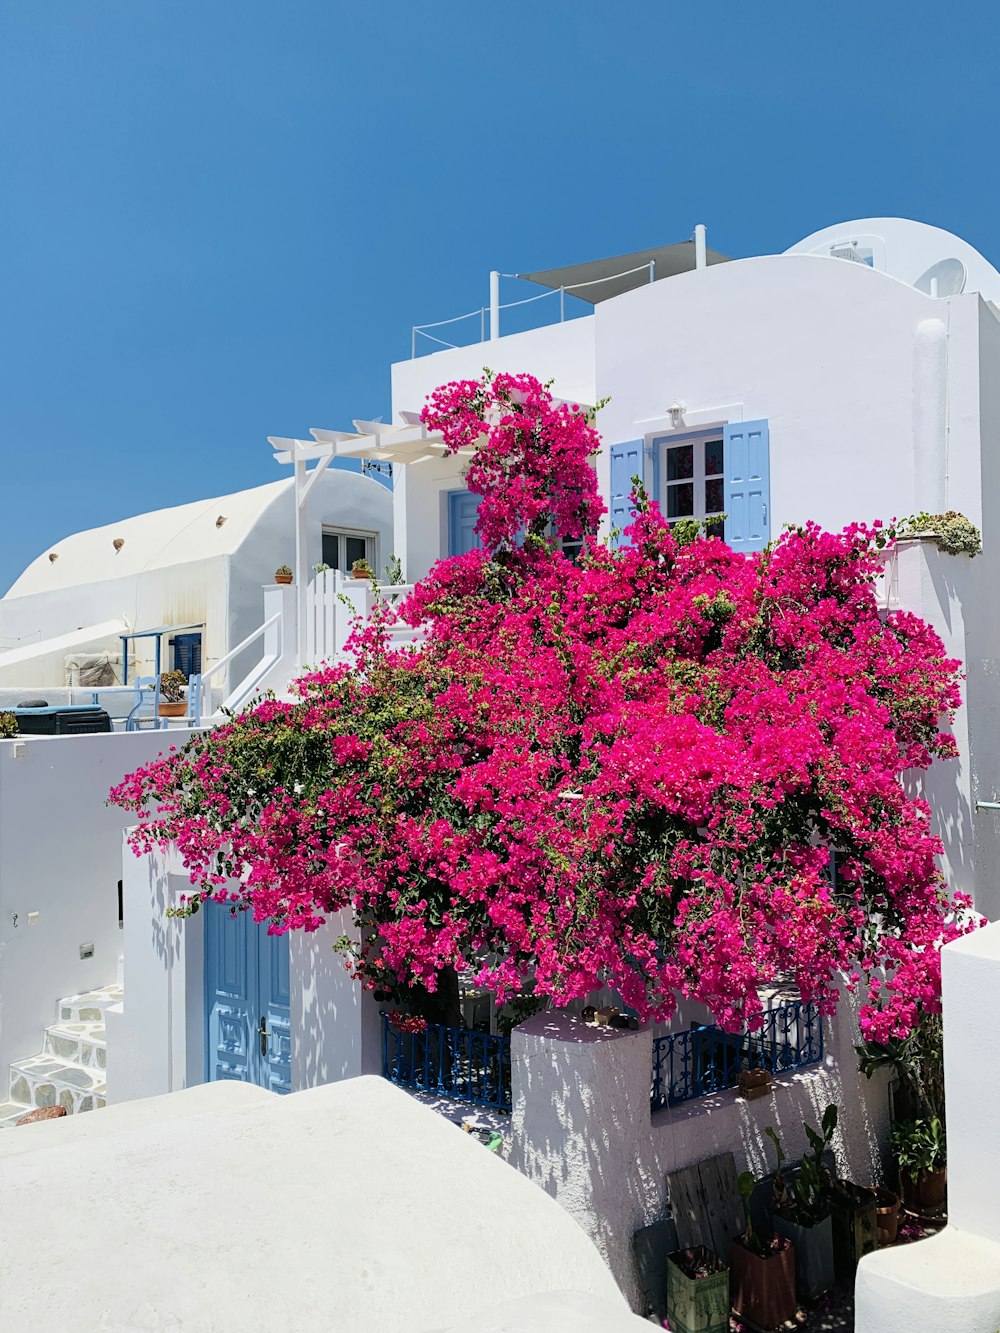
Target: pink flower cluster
column 529, row 457
column 636, row 770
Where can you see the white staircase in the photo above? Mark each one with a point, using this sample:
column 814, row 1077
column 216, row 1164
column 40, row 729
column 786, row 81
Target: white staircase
column 70, row 1072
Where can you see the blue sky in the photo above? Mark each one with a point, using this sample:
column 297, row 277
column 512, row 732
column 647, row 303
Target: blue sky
column 219, row 219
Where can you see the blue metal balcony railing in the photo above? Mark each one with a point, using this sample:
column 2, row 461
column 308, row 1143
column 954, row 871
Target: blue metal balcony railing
column 703, row 1060
column 453, row 1062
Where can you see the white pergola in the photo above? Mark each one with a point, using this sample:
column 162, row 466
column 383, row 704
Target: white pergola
column 377, row 441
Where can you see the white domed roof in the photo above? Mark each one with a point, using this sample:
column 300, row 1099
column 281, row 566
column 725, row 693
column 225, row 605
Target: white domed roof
column 925, row 257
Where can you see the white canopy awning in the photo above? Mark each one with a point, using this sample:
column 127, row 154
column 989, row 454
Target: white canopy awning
column 600, row 279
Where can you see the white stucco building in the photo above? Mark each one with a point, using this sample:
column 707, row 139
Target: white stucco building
column 199, row 567
column 856, row 376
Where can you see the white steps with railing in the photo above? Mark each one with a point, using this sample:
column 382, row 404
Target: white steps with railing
column 70, row 1071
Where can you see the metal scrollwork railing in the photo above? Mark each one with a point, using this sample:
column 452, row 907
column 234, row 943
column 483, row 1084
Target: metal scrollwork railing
column 703, row 1060
column 453, row 1062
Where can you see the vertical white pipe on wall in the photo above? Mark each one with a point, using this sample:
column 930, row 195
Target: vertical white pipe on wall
column 700, row 254
column 399, row 538
column 930, row 416
column 301, row 556
column 494, row 305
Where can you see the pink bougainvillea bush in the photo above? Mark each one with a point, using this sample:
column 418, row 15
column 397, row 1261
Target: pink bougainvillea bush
column 625, row 770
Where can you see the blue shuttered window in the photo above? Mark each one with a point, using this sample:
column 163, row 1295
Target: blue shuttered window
column 748, row 485
column 627, row 461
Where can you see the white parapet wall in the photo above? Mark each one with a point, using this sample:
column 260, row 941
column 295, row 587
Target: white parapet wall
column 60, row 863
column 582, row 1127
column 951, row 1282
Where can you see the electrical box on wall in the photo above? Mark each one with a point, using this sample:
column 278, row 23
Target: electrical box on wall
column 86, row 950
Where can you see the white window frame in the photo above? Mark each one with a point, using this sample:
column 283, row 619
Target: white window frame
column 662, row 444
column 370, row 539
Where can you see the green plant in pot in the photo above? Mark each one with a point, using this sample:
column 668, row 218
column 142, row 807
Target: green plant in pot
column 283, row 574
column 172, row 702
column 762, row 1269
column 8, row 726
column 801, row 1208
column 361, row 569
column 921, row 1154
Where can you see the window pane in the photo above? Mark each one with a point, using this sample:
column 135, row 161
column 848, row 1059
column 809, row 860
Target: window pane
column 714, row 458
column 680, row 462
column 714, row 496
column 357, row 549
column 331, row 550
column 680, row 500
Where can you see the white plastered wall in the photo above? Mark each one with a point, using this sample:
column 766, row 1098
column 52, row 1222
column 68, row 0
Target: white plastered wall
column 583, row 1131
column 60, row 857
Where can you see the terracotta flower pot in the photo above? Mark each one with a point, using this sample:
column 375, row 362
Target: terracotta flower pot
column 174, row 708
column 763, row 1287
column 924, row 1193
column 283, row 578
column 887, row 1208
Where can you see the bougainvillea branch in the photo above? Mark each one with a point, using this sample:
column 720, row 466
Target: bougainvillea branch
column 635, row 770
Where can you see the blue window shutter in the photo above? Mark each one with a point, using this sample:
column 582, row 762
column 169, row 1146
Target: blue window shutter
column 626, row 463
column 748, row 485
column 463, row 510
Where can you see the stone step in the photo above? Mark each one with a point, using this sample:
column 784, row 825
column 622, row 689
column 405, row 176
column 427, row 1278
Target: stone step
column 90, row 1006
column 45, row 1080
column 77, row 1043
column 10, row 1113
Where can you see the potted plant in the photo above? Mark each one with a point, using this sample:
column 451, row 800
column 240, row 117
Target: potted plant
column 361, row 569
column 283, row 574
column 697, row 1291
column 762, row 1267
column 172, row 702
column 8, row 725
column 802, row 1209
column 921, row 1153
column 855, row 1226
column 887, row 1206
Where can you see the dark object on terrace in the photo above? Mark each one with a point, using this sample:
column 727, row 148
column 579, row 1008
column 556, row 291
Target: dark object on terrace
column 66, row 720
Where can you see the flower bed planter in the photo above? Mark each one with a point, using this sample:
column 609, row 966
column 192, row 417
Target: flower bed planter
column 855, row 1226
column 763, row 1286
column 174, row 708
column 887, row 1207
column 697, row 1291
column 813, row 1255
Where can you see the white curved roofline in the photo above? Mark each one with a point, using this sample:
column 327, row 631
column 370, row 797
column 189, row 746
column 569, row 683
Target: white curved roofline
column 180, row 534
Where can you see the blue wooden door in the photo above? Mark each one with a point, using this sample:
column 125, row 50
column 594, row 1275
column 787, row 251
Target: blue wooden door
column 247, row 1001
column 463, row 509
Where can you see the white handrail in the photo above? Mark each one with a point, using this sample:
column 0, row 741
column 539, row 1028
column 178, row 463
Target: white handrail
column 234, row 652
column 198, row 681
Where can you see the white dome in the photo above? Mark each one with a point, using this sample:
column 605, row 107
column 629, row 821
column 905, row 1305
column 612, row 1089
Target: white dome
column 912, row 252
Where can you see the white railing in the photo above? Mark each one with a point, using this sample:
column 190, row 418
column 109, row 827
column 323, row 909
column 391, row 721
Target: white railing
column 333, row 603
column 273, row 645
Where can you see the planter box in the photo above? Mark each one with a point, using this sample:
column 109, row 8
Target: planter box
column 855, row 1226
column 763, row 1287
column 755, row 1083
column 697, row 1304
column 813, row 1255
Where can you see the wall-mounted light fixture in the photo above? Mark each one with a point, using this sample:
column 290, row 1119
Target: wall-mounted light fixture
column 676, row 413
